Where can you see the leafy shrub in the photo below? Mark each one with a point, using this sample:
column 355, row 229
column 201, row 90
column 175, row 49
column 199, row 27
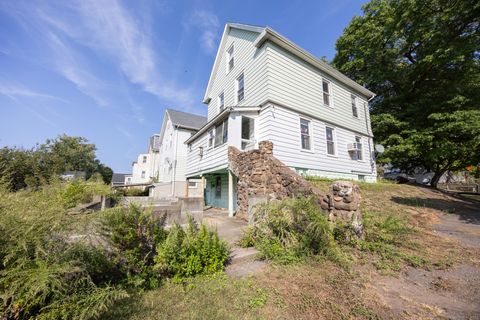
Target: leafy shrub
column 59, row 266
column 78, row 191
column 45, row 274
column 290, row 230
column 133, row 192
column 135, row 233
column 186, row 253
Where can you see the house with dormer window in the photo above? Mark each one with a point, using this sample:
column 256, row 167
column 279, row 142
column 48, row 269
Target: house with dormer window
column 263, row 87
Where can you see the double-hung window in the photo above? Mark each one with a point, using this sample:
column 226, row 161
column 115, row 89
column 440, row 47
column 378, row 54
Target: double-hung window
column 143, row 174
column 358, row 148
column 221, row 102
column 144, row 159
column 240, row 86
column 330, row 135
column 221, row 133
column 354, row 106
column 305, row 134
column 326, row 93
column 230, row 59
column 211, row 138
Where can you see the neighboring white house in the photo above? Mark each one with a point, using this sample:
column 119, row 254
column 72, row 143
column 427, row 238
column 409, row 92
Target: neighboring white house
column 264, row 87
column 177, row 127
column 145, row 168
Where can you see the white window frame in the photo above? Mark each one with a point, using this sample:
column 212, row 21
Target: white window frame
column 230, row 57
column 224, row 125
column 237, row 87
column 359, row 140
column 144, row 159
column 143, row 174
column 192, row 186
column 334, row 140
column 329, row 93
column 211, row 135
column 310, row 134
column 354, row 105
column 250, row 142
column 221, row 102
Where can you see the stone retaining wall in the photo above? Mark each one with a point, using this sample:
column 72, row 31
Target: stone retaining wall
column 262, row 177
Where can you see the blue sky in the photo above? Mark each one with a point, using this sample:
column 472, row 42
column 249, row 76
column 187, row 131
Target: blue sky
column 107, row 69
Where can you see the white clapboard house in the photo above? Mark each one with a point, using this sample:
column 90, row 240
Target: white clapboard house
column 264, row 87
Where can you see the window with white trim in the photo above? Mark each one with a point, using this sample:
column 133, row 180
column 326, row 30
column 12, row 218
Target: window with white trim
column 240, row 88
column 221, row 102
column 326, row 93
column 144, row 159
column 305, row 134
column 358, row 151
column 354, row 106
column 248, row 133
column 143, row 174
column 211, row 138
column 230, row 59
column 330, row 137
column 192, row 184
column 221, row 133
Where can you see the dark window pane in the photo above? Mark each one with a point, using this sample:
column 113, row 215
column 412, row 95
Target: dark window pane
column 305, row 142
column 325, row 87
column 225, row 131
column 330, row 147
column 326, row 99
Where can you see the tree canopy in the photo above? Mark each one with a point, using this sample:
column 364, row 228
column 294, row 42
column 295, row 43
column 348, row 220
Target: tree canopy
column 20, row 168
column 422, row 59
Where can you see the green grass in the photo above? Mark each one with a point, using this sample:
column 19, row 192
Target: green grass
column 203, row 297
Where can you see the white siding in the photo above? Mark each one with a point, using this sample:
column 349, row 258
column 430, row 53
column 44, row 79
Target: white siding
column 249, row 60
column 282, row 127
column 298, row 85
column 181, row 155
column 212, row 157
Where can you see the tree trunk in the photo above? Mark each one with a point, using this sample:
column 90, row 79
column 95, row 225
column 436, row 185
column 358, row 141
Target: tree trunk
column 436, row 177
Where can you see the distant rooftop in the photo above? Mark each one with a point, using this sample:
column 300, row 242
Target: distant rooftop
column 186, row 120
column 119, row 177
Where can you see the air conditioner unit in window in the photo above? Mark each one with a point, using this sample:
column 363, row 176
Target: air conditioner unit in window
column 356, row 146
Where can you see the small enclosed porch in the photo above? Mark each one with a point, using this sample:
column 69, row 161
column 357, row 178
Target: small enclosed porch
column 219, row 189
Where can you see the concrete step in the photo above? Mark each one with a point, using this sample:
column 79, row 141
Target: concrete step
column 243, row 263
column 238, row 254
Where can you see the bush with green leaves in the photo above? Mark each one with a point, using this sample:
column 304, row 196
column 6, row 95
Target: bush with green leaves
column 290, row 230
column 45, row 273
column 135, row 234
column 54, row 265
column 77, row 191
column 189, row 252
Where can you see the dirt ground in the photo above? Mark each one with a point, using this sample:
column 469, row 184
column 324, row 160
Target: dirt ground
column 450, row 293
column 446, row 285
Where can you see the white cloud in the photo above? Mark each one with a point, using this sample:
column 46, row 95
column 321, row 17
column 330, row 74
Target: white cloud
column 208, row 25
column 111, row 31
column 15, row 91
column 69, row 66
column 107, row 27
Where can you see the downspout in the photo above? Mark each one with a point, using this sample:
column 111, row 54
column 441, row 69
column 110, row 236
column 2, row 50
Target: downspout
column 174, row 161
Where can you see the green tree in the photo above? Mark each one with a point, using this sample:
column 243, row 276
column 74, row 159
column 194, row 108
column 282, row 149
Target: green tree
column 20, row 168
column 421, row 58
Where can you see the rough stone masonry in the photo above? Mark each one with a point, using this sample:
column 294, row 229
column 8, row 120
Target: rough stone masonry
column 261, row 176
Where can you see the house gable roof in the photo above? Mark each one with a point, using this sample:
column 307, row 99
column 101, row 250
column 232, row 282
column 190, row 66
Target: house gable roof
column 268, row 34
column 186, row 120
column 221, row 48
column 119, row 177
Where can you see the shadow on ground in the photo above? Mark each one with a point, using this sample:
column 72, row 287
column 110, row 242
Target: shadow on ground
column 467, row 211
